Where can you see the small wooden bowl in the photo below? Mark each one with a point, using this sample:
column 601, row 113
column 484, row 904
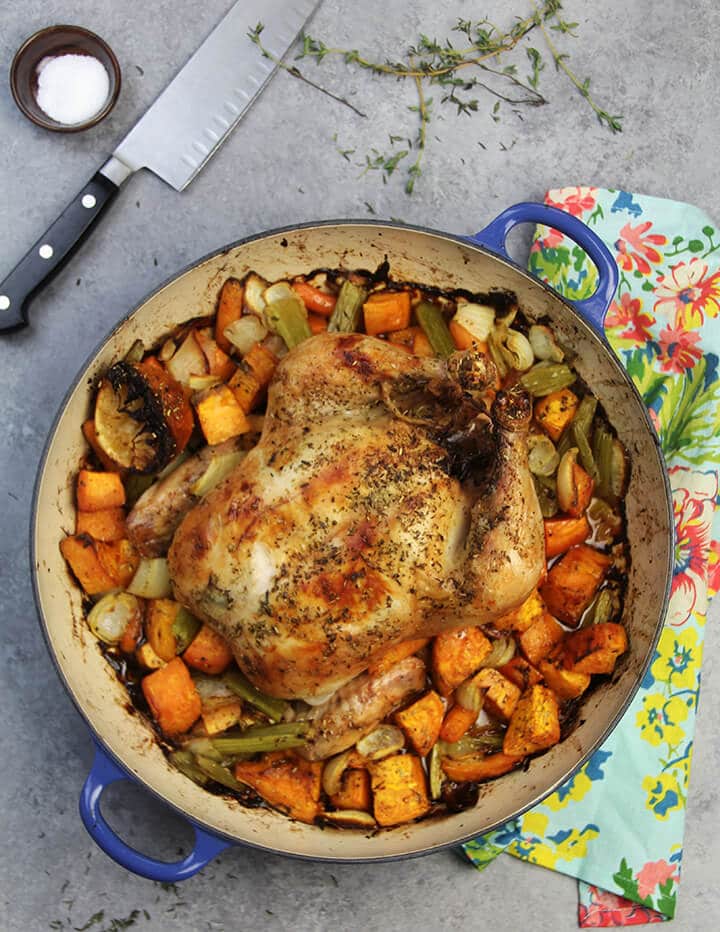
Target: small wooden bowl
column 51, row 42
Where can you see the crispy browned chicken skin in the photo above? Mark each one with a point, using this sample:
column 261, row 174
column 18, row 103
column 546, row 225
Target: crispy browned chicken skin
column 361, row 519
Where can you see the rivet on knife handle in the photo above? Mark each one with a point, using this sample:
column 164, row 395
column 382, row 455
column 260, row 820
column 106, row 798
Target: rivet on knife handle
column 52, row 250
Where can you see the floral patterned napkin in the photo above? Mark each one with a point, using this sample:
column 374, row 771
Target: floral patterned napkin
column 617, row 825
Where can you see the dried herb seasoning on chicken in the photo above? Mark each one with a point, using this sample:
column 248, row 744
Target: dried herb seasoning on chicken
column 385, row 558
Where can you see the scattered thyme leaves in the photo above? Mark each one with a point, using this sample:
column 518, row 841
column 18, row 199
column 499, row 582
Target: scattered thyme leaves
column 430, row 61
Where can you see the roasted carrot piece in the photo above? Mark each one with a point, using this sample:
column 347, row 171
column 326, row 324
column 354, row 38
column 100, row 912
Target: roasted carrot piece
column 535, row 724
column 463, row 339
column 107, row 525
column 90, row 434
column 479, row 767
column 404, row 337
column 220, row 414
column 521, row 673
column 594, row 649
column 457, row 721
column 422, row 346
column 82, row 557
column 555, row 411
column 314, row 299
column 574, row 485
column 455, row 655
column 262, row 362
column 354, row 792
column 208, row 651
column 247, row 389
column 520, row 619
column 219, row 363
column 285, row 780
column 98, row 491
column 131, row 635
column 421, row 721
column 229, row 309
column 175, row 405
column 317, row 323
column 119, row 559
column 173, row 699
column 573, row 581
column 399, row 789
column 563, row 533
column 395, row 653
column 385, row 311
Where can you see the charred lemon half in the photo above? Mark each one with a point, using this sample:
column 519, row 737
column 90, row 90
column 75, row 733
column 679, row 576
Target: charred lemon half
column 142, row 417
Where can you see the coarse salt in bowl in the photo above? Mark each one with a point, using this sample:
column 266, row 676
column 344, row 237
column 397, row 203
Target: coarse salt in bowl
column 71, row 88
column 65, row 78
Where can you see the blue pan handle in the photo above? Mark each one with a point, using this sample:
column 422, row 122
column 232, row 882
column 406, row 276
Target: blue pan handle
column 103, row 773
column 592, row 309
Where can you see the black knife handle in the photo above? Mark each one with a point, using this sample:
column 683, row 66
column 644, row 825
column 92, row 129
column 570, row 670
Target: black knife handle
column 52, row 250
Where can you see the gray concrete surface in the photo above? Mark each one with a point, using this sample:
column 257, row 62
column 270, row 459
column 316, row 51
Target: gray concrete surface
column 650, row 62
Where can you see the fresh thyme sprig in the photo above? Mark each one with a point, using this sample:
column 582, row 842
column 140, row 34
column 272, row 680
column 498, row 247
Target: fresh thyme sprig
column 430, row 62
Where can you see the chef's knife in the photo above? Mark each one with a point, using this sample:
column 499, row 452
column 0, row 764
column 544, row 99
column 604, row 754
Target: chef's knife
column 175, row 137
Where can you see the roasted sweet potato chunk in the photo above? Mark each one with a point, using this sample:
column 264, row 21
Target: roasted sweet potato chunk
column 220, row 414
column 399, row 789
column 520, row 619
column 286, row 781
column 98, row 491
column 421, row 722
column 555, row 411
column 594, row 649
column 208, row 651
column 107, row 524
column 82, row 557
column 540, row 638
column 354, row 792
column 456, row 655
column 521, row 673
column 573, row 581
column 535, row 724
column 172, row 697
column 568, row 684
column 501, row 695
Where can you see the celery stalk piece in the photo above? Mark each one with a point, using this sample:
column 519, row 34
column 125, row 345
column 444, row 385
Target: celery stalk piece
column 288, row 318
column 545, row 378
column 185, row 763
column 256, row 740
column 184, row 628
column 274, row 708
column 348, row 308
column 603, row 455
column 218, row 773
column 586, row 457
column 581, row 423
column 436, row 330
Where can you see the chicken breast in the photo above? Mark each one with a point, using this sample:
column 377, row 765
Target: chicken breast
column 381, row 503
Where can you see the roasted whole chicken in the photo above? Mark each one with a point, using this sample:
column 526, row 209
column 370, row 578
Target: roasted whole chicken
column 388, row 498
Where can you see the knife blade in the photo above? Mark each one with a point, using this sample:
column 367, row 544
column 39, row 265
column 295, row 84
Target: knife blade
column 175, row 137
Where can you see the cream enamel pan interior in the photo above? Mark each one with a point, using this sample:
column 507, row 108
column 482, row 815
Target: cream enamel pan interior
column 415, row 255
